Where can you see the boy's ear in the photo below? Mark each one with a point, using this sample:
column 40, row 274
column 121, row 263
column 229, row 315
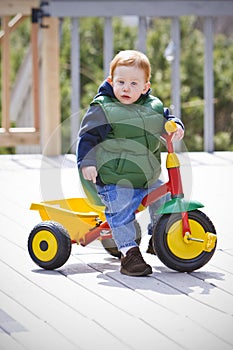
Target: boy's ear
column 109, row 79
column 146, row 87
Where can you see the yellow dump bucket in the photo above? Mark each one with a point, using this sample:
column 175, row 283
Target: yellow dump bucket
column 75, row 214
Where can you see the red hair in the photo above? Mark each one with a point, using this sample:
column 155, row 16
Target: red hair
column 131, row 58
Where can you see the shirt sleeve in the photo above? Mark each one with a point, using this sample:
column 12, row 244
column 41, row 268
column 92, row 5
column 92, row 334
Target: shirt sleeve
column 94, row 129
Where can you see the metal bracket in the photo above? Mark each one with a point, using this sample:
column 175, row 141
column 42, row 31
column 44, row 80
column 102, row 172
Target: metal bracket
column 105, row 233
column 39, row 13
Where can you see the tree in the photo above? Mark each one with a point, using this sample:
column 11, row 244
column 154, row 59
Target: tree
column 158, row 37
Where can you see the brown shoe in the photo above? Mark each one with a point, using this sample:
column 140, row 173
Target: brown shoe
column 133, row 264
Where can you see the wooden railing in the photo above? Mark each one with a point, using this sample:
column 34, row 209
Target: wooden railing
column 13, row 136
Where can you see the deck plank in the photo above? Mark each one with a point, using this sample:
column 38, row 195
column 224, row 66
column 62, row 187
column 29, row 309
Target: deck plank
column 35, row 333
column 87, row 303
column 50, row 296
column 155, row 291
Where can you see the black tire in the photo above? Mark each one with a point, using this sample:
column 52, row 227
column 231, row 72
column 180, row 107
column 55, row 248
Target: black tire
column 49, row 245
column 111, row 247
column 168, row 242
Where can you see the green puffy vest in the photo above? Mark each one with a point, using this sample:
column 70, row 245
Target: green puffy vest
column 130, row 155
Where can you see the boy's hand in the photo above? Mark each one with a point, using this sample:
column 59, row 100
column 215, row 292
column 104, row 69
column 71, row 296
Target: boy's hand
column 178, row 134
column 90, row 173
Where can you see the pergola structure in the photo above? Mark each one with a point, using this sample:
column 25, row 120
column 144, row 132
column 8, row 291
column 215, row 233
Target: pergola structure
column 49, row 11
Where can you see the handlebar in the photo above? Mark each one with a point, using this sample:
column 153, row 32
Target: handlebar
column 170, row 126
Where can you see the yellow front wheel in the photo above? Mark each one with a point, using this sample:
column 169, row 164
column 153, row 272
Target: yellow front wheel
column 49, row 245
column 171, row 247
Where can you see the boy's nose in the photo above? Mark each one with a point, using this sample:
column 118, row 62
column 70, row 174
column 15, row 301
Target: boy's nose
column 126, row 87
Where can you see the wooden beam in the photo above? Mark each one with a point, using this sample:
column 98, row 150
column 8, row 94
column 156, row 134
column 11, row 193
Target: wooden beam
column 6, row 75
column 19, row 136
column 13, row 24
column 11, row 7
column 50, row 84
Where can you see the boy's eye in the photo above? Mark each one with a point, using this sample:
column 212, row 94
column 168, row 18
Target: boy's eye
column 134, row 83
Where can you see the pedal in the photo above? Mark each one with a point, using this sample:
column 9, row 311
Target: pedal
column 209, row 241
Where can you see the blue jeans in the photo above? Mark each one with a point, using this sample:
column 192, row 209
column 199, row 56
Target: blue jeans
column 121, row 204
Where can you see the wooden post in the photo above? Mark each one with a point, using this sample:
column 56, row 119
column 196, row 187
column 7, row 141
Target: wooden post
column 35, row 74
column 50, row 109
column 75, row 80
column 6, row 75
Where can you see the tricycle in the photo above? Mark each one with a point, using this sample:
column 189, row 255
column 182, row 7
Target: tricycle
column 184, row 238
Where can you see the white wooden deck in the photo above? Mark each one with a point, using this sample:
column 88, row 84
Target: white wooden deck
column 87, row 304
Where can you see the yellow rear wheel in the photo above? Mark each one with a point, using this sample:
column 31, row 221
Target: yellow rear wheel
column 44, row 245
column 49, row 245
column 171, row 248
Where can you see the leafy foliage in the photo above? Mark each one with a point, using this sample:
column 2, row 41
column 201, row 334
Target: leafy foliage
column 158, row 37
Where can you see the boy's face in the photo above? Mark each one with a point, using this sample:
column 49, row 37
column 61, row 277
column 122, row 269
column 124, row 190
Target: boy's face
column 129, row 83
